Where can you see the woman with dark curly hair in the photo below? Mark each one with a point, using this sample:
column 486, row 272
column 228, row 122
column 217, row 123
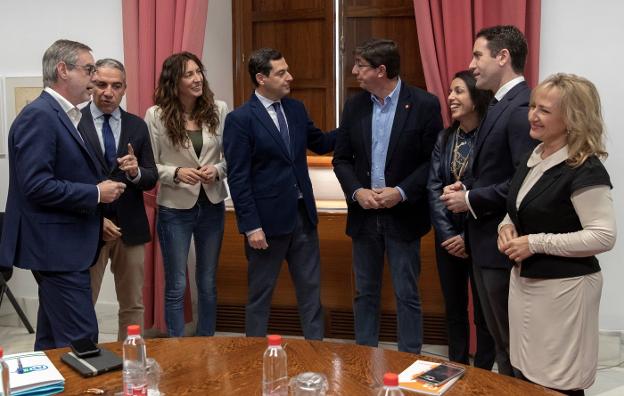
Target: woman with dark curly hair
column 449, row 161
column 186, row 127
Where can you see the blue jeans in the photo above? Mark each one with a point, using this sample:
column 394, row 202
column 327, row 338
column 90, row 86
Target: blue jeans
column 204, row 222
column 369, row 248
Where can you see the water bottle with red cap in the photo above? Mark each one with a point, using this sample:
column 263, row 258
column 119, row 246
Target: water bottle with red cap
column 391, row 386
column 5, row 389
column 134, row 356
column 275, row 368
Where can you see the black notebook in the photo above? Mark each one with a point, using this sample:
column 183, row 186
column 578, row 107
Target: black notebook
column 94, row 365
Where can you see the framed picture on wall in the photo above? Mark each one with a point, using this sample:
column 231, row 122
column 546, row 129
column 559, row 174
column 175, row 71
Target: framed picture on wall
column 18, row 92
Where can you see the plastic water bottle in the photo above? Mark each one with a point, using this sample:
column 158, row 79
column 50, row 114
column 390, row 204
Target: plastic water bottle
column 275, row 368
column 5, row 389
column 134, row 355
column 391, row 386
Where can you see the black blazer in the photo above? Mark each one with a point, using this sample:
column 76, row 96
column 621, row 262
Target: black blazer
column 548, row 208
column 446, row 223
column 502, row 141
column 128, row 209
column 416, row 124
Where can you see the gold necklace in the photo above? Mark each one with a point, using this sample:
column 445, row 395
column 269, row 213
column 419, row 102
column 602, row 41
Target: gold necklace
column 459, row 162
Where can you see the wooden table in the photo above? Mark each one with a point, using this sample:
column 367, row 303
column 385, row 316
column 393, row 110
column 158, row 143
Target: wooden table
column 233, row 366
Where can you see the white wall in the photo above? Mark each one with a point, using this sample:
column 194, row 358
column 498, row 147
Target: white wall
column 573, row 40
column 217, row 57
column 584, row 38
column 28, row 27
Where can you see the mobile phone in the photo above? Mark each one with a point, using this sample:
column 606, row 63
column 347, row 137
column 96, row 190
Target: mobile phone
column 441, row 374
column 84, row 348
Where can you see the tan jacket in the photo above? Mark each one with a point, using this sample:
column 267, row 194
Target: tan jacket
column 168, row 158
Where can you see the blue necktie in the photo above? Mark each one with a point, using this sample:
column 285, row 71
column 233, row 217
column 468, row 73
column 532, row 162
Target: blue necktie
column 110, row 150
column 283, row 127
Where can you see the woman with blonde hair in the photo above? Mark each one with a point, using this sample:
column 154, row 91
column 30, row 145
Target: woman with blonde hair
column 560, row 215
column 186, row 127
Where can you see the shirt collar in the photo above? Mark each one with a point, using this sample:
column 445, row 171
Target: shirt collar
column 552, row 160
column 266, row 102
column 392, row 96
column 466, row 134
column 97, row 113
column 502, row 91
column 72, row 111
column 65, row 104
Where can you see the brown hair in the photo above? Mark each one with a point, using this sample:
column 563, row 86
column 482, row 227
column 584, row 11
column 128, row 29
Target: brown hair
column 507, row 37
column 205, row 112
column 379, row 52
column 582, row 115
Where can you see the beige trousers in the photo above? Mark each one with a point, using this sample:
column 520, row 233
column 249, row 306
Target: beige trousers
column 127, row 264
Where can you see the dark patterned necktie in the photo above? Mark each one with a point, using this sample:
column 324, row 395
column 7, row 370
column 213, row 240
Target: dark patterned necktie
column 283, row 127
column 110, row 151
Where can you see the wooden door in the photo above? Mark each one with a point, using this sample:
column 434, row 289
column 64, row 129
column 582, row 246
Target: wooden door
column 390, row 19
column 302, row 30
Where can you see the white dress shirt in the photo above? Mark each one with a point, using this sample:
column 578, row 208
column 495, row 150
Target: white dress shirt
column 72, row 112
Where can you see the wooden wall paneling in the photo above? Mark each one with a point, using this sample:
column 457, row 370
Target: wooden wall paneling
column 303, row 31
column 337, row 286
column 305, row 59
column 393, row 20
column 232, row 270
column 314, row 100
column 241, row 43
column 277, row 6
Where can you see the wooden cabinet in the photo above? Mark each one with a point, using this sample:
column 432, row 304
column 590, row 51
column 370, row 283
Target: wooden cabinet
column 338, row 288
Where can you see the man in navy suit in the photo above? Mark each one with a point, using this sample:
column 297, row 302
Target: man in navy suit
column 121, row 144
column 385, row 140
column 265, row 142
column 498, row 59
column 53, row 222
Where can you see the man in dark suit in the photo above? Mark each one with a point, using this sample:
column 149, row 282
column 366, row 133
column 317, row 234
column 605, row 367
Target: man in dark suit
column 498, row 60
column 265, row 143
column 53, row 222
column 381, row 160
column 121, row 144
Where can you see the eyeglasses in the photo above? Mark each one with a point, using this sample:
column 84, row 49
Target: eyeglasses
column 362, row 65
column 89, row 68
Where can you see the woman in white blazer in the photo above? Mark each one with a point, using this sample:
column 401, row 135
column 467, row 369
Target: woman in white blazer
column 186, row 128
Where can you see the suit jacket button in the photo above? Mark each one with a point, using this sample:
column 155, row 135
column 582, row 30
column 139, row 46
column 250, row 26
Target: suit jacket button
column 367, row 173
